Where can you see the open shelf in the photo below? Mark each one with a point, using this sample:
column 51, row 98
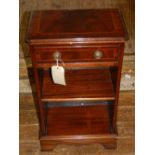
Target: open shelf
column 83, row 84
column 86, row 120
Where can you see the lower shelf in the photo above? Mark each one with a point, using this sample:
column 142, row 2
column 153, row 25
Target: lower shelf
column 81, row 120
column 79, row 125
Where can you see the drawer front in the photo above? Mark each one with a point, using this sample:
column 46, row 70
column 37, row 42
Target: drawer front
column 47, row 54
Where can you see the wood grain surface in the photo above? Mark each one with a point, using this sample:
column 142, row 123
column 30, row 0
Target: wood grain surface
column 81, row 84
column 76, row 24
column 91, row 120
column 29, row 144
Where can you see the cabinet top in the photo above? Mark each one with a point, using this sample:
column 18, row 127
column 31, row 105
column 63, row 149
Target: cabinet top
column 76, row 26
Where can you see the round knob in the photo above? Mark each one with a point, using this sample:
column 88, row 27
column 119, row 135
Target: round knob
column 98, row 54
column 56, row 55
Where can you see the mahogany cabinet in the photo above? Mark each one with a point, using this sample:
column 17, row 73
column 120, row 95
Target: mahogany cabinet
column 90, row 46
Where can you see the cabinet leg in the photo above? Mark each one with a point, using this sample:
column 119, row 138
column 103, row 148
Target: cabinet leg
column 110, row 146
column 48, row 146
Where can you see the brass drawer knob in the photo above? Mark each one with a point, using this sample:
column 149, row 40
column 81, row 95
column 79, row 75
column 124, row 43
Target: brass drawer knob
column 57, row 55
column 98, row 54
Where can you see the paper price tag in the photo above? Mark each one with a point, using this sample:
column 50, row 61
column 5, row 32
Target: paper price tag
column 58, row 75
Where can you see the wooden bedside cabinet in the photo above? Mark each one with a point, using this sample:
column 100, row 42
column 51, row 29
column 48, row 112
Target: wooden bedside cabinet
column 89, row 44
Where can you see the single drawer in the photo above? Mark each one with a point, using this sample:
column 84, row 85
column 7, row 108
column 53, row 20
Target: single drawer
column 91, row 54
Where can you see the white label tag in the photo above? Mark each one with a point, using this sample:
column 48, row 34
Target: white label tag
column 58, row 75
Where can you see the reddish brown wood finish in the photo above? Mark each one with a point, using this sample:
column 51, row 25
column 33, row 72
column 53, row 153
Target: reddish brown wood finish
column 83, row 84
column 77, row 34
column 48, row 143
column 76, row 24
column 117, row 84
column 45, row 54
column 40, row 110
column 84, row 120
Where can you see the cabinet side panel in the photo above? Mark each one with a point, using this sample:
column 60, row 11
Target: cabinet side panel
column 118, row 78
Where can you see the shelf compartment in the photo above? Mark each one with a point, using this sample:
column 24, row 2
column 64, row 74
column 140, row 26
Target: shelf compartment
column 83, row 84
column 74, row 121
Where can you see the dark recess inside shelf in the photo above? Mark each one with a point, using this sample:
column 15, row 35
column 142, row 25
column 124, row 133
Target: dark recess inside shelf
column 76, row 103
